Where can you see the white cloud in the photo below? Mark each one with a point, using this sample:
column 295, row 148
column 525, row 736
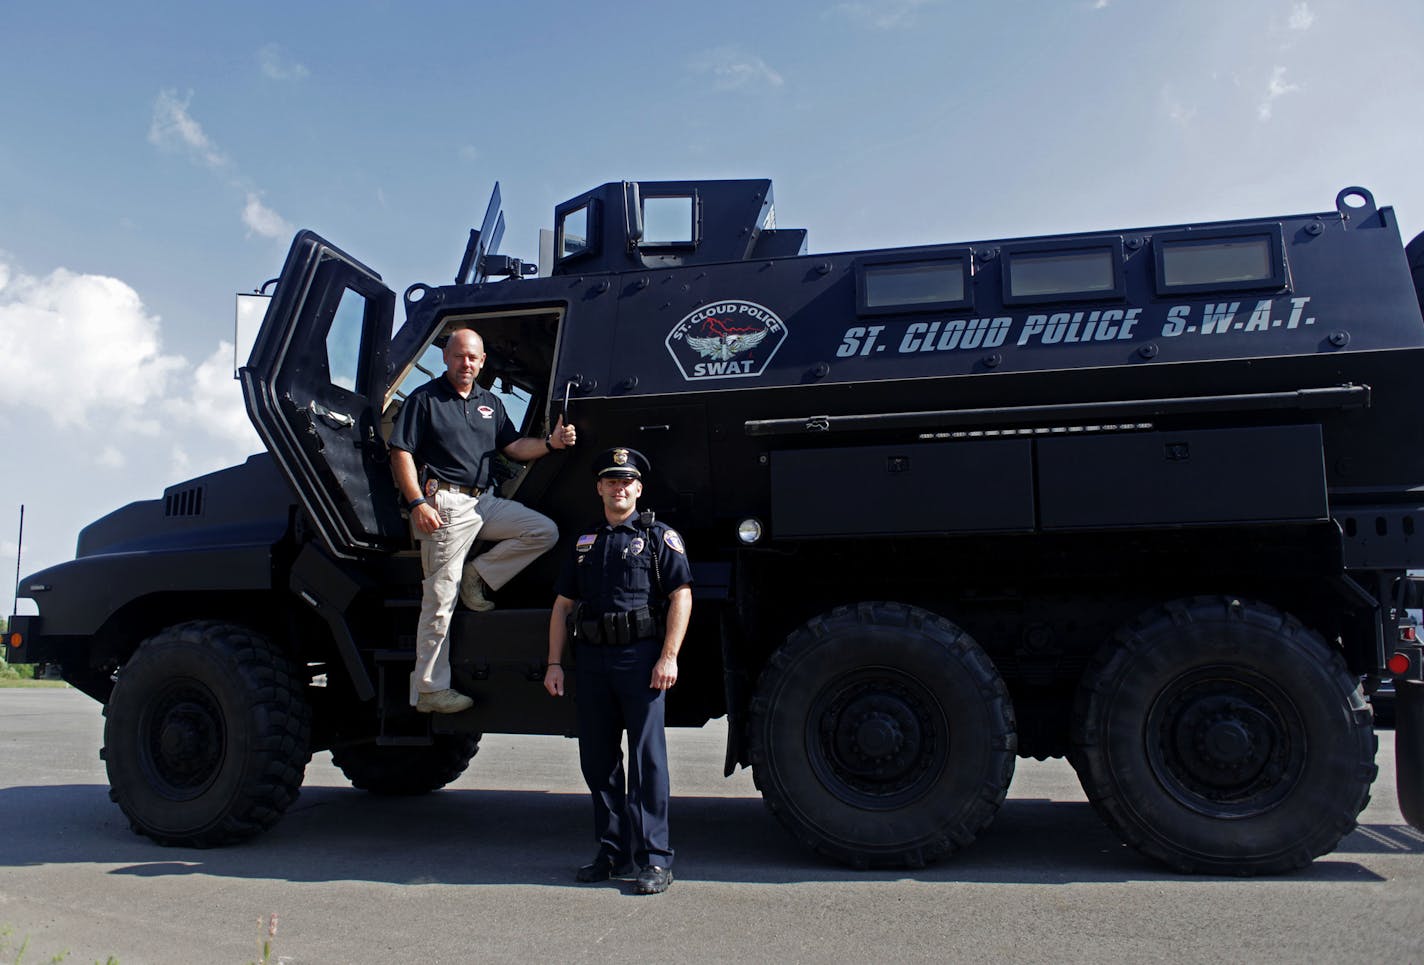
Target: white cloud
column 173, row 128
column 468, row 152
column 1275, row 90
column 1301, row 18
column 276, row 65
column 886, row 14
column 86, row 346
column 213, row 402
column 83, row 343
column 102, row 412
column 1101, row 4
column 732, row 69
column 179, row 463
column 262, row 220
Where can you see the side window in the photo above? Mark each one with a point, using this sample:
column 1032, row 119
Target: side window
column 574, row 233
column 668, row 220
column 343, row 340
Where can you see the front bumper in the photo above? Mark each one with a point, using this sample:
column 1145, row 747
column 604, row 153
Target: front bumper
column 23, row 642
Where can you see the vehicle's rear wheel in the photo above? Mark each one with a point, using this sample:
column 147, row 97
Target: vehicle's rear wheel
column 206, row 736
column 881, row 735
column 406, row 770
column 1222, row 737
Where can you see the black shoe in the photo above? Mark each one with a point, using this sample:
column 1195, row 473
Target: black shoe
column 653, row 880
column 601, row 869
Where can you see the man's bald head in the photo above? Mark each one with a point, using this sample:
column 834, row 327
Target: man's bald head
column 464, row 357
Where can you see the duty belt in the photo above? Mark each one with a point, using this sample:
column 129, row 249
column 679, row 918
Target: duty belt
column 618, row 629
column 467, row 490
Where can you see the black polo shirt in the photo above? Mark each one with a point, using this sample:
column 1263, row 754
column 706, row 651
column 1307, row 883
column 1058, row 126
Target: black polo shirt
column 611, row 568
column 455, row 439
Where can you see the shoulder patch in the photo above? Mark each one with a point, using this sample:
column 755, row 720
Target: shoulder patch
column 674, row 542
column 585, row 542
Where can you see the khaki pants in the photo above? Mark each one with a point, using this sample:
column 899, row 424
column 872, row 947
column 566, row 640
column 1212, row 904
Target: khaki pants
column 522, row 535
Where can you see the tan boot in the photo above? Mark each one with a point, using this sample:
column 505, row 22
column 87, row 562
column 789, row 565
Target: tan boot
column 443, row 702
column 472, row 591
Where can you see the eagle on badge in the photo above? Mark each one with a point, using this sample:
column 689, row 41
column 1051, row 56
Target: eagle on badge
column 721, row 348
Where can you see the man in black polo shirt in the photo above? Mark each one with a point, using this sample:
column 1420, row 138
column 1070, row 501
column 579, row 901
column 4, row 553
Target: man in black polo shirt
column 452, row 428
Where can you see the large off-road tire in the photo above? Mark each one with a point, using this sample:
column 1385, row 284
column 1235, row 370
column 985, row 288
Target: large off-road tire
column 206, row 735
column 1220, row 736
column 882, row 736
column 406, row 770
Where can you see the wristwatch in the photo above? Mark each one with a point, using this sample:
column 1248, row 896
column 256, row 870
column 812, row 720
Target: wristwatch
column 549, row 442
column 417, row 501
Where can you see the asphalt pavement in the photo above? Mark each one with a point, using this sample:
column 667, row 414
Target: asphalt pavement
column 482, row 872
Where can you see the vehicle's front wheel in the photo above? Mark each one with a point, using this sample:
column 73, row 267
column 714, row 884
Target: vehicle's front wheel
column 1223, row 737
column 406, row 770
column 881, row 735
column 206, row 735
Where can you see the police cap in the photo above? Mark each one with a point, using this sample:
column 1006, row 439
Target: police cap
column 621, row 463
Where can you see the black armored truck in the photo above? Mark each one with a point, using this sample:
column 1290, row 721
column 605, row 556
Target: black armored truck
column 1145, row 498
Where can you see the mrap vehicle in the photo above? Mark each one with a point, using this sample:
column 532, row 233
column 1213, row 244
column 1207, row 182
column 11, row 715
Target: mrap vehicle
column 1146, row 499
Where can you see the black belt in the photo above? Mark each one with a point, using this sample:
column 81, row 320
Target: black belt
column 618, row 629
column 475, row 491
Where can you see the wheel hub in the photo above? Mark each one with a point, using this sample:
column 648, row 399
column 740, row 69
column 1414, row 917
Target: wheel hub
column 879, row 737
column 1224, row 745
column 185, row 742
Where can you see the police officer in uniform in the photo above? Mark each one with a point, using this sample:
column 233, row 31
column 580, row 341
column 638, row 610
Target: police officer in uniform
column 624, row 596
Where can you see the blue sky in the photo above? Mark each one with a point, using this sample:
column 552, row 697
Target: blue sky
column 156, row 158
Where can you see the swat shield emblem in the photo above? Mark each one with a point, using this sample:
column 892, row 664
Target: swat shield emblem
column 726, row 340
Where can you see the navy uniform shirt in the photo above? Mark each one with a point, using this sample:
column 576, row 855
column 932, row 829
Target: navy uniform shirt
column 612, row 566
column 455, row 439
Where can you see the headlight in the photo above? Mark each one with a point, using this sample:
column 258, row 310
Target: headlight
column 749, row 531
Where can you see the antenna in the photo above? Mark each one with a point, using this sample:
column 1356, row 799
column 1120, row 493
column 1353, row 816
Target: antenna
column 19, row 547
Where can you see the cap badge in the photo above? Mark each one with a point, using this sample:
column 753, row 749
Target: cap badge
column 620, row 457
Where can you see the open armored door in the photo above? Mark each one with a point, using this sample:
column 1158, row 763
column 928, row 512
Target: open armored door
column 314, row 386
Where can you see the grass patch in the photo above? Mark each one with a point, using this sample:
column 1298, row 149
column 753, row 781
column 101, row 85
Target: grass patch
column 23, row 675
column 30, row 684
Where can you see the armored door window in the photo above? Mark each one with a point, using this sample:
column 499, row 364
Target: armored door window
column 343, row 341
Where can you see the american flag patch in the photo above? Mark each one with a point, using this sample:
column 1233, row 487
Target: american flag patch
column 585, row 542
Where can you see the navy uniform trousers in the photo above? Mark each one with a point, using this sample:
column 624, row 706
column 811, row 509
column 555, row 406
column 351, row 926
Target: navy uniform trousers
column 630, row 814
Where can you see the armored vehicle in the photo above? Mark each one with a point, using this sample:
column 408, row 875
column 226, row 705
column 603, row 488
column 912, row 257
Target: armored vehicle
column 1144, row 498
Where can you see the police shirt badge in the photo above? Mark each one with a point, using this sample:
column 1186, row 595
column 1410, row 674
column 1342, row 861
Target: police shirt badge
column 620, row 457
column 431, row 486
column 635, row 546
column 585, row 542
column 674, row 542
